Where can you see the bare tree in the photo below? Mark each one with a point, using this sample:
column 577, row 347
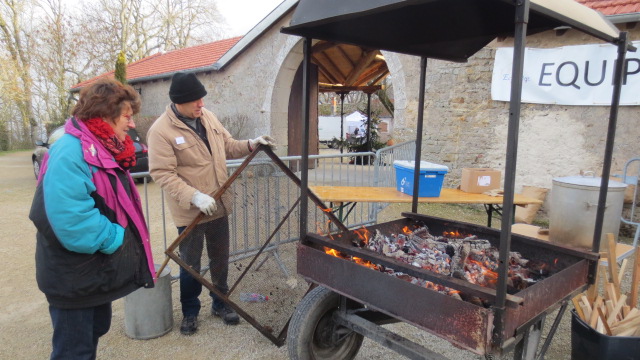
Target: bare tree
column 8, row 97
column 132, row 26
column 75, row 46
column 15, row 43
column 55, row 63
column 189, row 22
column 143, row 27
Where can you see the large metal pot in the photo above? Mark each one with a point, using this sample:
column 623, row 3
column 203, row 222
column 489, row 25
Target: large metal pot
column 573, row 207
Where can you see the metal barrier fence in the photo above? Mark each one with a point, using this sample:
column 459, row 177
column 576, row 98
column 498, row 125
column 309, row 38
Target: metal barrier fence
column 384, row 172
column 264, row 184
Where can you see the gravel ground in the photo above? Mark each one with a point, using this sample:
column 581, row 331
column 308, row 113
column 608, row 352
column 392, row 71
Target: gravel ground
column 26, row 329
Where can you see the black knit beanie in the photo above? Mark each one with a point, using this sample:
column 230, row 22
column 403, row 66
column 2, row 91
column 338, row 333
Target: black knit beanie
column 185, row 87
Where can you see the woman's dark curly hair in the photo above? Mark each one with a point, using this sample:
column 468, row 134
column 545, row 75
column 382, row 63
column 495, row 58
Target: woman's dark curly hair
column 105, row 98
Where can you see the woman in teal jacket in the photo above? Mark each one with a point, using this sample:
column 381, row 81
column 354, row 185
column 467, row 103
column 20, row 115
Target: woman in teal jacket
column 92, row 242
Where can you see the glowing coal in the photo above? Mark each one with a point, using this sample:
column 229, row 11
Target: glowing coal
column 462, row 256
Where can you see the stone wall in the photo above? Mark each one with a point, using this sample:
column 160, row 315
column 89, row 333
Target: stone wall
column 463, row 127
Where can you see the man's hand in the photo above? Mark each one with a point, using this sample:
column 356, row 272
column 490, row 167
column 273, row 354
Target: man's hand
column 263, row 140
column 204, row 202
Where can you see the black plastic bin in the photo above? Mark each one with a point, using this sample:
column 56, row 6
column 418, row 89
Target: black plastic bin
column 588, row 344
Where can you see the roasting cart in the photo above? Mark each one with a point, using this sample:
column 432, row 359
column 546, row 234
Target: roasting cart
column 352, row 300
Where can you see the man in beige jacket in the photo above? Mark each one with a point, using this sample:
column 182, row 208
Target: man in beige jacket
column 188, row 148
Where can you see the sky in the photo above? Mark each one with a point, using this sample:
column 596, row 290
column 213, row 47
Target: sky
column 242, row 15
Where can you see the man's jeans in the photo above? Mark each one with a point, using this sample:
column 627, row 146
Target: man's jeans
column 216, row 235
column 76, row 331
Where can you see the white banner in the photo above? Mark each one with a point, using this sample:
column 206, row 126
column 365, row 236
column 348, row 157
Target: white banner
column 569, row 75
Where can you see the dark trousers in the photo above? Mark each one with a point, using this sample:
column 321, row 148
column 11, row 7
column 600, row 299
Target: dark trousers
column 215, row 234
column 76, row 331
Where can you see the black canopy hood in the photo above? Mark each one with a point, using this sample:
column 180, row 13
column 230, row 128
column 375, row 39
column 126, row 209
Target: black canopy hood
column 450, row 30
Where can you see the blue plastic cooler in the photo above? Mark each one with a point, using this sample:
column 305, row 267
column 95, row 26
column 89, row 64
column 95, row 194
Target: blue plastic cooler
column 430, row 180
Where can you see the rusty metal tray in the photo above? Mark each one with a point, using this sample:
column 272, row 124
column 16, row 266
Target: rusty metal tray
column 463, row 323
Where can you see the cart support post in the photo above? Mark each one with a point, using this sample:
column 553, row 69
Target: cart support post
column 368, row 121
column 342, row 94
column 416, row 173
column 521, row 21
column 304, row 161
column 611, row 134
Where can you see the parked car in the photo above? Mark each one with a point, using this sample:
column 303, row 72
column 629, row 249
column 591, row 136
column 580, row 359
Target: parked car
column 42, row 147
column 138, row 171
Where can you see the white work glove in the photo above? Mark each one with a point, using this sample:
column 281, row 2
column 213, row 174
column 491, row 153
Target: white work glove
column 204, row 202
column 263, row 140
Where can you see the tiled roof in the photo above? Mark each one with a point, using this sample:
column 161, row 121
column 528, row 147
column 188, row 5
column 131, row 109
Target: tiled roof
column 194, row 57
column 613, row 7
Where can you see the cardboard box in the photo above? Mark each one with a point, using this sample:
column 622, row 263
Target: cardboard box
column 479, row 180
column 429, row 182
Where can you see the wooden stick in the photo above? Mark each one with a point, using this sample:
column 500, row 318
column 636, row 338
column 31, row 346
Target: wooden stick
column 613, row 263
column 608, row 306
column 633, row 300
column 623, row 267
column 612, row 318
column 604, row 322
column 592, row 291
column 632, row 324
column 584, row 299
column 576, row 305
column 620, row 328
column 587, row 305
column 599, row 326
column 628, row 332
column 633, row 316
column 593, row 320
column 586, row 310
column 612, row 295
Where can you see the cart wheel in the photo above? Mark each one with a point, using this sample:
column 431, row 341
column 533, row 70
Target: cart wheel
column 313, row 335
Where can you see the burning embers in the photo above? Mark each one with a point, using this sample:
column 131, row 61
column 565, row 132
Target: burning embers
column 462, row 256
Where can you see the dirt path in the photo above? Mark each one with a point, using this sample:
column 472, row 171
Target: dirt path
column 24, row 319
column 26, row 329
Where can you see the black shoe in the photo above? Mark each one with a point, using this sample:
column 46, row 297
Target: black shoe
column 228, row 315
column 189, row 325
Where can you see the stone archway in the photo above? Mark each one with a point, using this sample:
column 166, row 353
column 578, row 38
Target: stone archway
column 295, row 114
column 292, row 55
column 405, row 84
column 286, row 104
column 403, row 69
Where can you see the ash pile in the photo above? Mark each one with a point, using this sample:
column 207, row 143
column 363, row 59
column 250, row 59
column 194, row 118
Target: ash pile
column 461, row 256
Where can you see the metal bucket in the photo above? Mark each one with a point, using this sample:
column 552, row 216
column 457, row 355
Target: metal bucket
column 573, row 207
column 148, row 313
